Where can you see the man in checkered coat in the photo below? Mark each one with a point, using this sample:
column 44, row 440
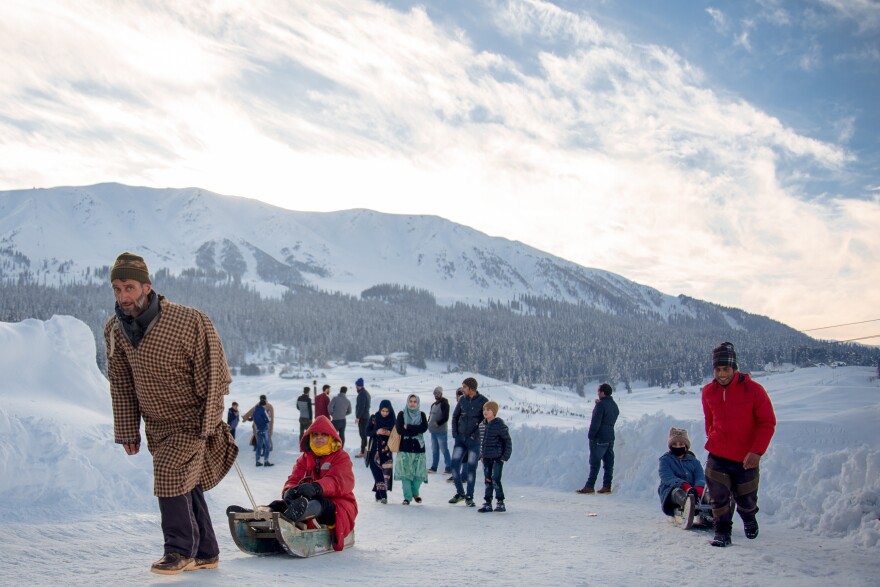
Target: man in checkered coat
column 166, row 366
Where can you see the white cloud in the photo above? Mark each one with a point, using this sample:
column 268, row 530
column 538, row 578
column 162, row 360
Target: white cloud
column 718, row 19
column 604, row 151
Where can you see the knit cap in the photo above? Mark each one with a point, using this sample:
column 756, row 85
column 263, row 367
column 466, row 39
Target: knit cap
column 490, row 405
column 130, row 266
column 678, row 435
column 724, row 356
column 359, row 382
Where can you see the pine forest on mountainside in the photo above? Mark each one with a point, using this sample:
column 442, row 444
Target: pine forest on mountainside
column 527, row 341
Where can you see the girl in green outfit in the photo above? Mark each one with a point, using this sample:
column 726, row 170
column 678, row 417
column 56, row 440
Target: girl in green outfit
column 411, row 467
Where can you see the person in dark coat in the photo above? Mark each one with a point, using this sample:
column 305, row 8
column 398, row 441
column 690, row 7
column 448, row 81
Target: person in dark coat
column 410, row 468
column 682, row 481
column 379, row 457
column 304, row 405
column 466, row 430
column 495, row 450
column 232, row 418
column 438, row 426
column 601, row 437
column 362, row 413
column 262, row 420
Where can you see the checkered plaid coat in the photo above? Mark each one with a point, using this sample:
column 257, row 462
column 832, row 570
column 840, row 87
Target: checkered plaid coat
column 175, row 382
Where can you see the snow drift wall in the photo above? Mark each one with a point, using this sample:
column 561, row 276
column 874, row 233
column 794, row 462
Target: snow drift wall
column 832, row 491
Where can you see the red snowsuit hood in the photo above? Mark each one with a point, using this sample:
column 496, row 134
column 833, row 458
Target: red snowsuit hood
column 333, row 473
column 739, row 418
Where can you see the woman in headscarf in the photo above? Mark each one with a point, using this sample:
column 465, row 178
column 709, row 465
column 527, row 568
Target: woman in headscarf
column 379, row 457
column 411, row 467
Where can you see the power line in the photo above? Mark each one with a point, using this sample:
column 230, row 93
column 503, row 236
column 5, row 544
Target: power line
column 839, row 325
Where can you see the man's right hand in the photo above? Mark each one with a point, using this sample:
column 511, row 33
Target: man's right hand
column 132, row 449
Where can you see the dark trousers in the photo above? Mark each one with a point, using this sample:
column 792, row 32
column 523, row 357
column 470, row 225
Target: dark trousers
column 304, row 424
column 362, row 430
column 340, row 427
column 731, row 486
column 232, row 431
column 492, row 472
column 186, row 524
column 465, row 455
column 601, row 454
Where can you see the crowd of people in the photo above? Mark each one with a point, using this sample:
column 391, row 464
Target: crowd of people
column 193, row 448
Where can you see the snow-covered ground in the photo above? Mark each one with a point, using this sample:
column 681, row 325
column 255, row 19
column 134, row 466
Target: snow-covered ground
column 80, row 512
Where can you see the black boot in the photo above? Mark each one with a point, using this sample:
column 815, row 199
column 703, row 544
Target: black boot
column 751, row 528
column 302, row 509
column 721, row 540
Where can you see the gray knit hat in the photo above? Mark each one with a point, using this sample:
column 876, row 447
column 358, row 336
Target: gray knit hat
column 678, row 435
column 130, row 266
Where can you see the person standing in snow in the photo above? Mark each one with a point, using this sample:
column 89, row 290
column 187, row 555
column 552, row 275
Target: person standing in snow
column 601, row 437
column 322, row 403
column 166, row 366
column 466, row 430
column 262, row 421
column 339, row 408
column 682, row 481
column 232, row 418
column 411, row 469
column 362, row 413
column 740, row 422
column 304, row 405
column 495, row 450
column 379, row 457
column 438, row 424
column 249, row 416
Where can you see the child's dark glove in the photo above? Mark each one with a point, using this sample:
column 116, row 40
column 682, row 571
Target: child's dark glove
column 310, row 490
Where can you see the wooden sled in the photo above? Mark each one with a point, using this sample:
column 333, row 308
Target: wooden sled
column 264, row 533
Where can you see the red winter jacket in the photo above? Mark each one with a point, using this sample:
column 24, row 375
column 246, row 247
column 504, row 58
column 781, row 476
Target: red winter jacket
column 333, row 473
column 739, row 418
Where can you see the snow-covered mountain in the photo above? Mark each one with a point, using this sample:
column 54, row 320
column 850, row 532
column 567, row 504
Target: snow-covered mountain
column 73, row 233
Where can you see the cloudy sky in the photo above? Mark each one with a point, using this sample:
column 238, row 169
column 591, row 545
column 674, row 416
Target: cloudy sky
column 727, row 151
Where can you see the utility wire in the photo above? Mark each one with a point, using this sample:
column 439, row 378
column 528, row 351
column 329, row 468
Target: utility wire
column 839, row 325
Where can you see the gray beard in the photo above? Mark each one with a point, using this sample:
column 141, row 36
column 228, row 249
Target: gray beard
column 139, row 306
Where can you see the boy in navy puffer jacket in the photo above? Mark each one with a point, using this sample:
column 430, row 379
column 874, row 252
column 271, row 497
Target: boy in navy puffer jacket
column 495, row 450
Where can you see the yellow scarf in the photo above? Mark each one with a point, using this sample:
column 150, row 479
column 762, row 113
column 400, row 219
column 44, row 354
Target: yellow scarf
column 332, row 446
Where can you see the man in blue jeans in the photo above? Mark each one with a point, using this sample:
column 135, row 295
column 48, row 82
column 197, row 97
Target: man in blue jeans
column 264, row 444
column 466, row 432
column 438, row 424
column 601, row 437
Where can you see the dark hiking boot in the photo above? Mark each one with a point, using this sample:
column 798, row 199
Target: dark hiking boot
column 268, row 464
column 417, row 499
column 456, row 498
column 751, row 529
column 405, row 502
column 451, row 479
column 487, row 507
column 604, row 490
column 469, row 501
column 447, row 471
column 432, row 471
column 172, row 564
column 205, row 563
column 586, row 489
column 499, row 507
column 721, row 540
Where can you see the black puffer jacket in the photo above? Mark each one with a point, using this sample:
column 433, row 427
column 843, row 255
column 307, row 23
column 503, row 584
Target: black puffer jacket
column 495, row 440
column 467, row 417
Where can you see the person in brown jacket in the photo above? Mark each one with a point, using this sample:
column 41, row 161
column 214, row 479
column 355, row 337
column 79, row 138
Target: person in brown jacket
column 166, row 366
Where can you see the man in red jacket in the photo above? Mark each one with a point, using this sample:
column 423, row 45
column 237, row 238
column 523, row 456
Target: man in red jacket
column 321, row 485
column 739, row 425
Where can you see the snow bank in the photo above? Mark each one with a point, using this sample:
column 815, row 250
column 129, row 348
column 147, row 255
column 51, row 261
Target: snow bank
column 58, row 458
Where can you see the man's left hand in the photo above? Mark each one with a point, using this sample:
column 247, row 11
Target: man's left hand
column 751, row 461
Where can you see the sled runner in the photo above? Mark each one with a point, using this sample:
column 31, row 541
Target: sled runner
column 264, row 532
column 702, row 514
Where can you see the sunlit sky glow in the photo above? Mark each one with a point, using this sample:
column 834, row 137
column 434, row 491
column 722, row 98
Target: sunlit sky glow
column 726, row 151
